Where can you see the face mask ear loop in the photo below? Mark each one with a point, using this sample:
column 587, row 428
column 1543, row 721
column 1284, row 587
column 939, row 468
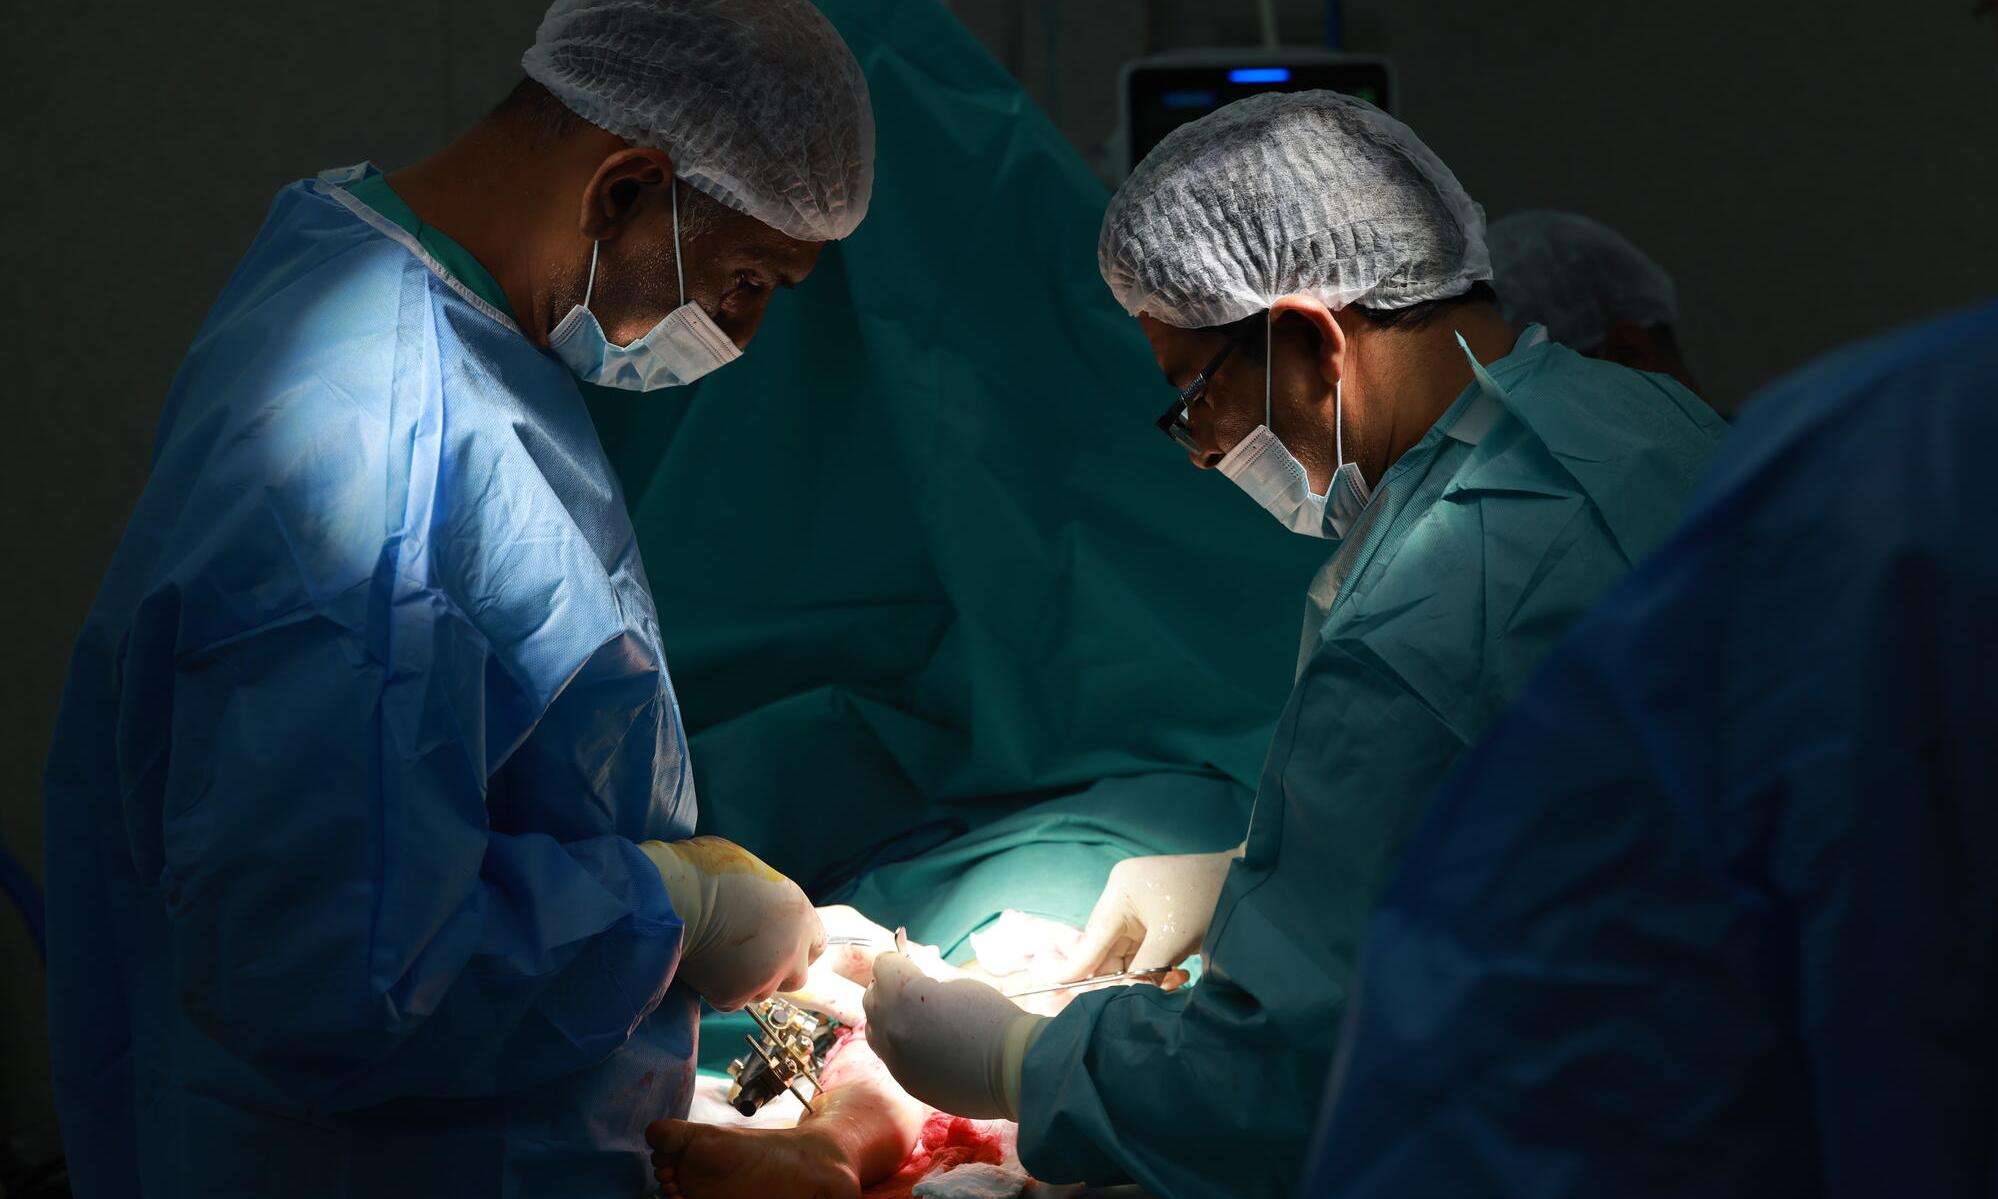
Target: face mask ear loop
column 1266, row 371
column 1339, row 417
column 1339, row 420
column 677, row 275
column 592, row 284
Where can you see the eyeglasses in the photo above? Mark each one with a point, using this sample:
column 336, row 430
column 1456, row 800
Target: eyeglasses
column 1174, row 423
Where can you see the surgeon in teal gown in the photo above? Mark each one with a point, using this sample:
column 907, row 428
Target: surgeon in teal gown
column 1712, row 909
column 1479, row 487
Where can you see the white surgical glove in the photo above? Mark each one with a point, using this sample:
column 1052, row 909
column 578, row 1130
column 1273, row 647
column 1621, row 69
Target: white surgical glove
column 955, row 1044
column 834, row 984
column 1152, row 915
column 750, row 932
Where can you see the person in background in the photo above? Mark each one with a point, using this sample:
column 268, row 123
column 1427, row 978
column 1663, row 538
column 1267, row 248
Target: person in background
column 1314, row 282
column 1595, row 291
column 370, row 861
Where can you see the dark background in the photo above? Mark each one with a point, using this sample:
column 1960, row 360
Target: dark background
column 1809, row 173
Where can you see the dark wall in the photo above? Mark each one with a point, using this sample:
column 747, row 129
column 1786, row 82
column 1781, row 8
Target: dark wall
column 1810, row 172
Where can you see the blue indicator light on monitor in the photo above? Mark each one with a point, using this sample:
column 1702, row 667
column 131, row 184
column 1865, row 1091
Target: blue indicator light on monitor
column 1259, row 75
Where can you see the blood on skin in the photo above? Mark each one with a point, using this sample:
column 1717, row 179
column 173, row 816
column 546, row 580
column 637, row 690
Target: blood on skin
column 946, row 1142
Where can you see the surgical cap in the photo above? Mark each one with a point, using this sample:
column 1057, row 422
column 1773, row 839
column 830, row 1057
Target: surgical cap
column 1282, row 193
column 759, row 102
column 1577, row 277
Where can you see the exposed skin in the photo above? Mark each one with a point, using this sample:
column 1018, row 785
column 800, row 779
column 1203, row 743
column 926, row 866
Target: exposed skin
column 1633, row 345
column 1396, row 382
column 861, row 1130
column 529, row 208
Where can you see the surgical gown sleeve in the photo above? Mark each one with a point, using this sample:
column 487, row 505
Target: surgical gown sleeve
column 1713, row 911
column 1212, row 1092
column 343, row 916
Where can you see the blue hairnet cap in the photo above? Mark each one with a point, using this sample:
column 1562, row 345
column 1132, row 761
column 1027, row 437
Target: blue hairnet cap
column 760, row 103
column 1286, row 193
column 1576, row 276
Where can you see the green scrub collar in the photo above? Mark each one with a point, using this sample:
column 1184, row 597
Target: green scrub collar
column 374, row 191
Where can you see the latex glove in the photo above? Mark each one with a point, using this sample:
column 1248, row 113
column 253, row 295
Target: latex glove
column 834, row 984
column 955, row 1044
column 1152, row 915
column 750, row 932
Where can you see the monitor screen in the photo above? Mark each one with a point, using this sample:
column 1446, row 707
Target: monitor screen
column 1161, row 98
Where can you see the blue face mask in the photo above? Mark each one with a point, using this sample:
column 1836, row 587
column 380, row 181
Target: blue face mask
column 674, row 352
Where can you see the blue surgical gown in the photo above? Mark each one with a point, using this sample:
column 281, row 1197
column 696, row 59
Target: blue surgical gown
column 1533, row 493
column 1714, row 910
column 344, row 895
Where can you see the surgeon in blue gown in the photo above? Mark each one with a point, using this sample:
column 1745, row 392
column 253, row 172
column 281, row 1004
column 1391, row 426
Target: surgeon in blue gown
column 1714, row 910
column 370, row 861
column 1315, row 281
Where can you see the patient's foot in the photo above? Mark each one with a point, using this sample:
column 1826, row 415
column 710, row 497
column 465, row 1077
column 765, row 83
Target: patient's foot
column 707, row 1161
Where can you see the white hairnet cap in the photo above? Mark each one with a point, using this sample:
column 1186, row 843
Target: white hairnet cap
column 759, row 102
column 1311, row 192
column 1577, row 277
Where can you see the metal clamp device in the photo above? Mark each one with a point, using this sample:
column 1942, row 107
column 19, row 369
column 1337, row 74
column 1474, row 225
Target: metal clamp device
column 789, row 1048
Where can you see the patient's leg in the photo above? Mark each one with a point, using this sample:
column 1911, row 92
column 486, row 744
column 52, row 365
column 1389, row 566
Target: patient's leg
column 860, row 1131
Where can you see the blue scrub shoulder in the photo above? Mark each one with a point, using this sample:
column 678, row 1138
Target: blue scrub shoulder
column 348, row 429
column 1936, row 374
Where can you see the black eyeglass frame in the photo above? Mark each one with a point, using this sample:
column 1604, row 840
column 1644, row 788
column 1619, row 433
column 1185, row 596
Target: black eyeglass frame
column 1174, row 422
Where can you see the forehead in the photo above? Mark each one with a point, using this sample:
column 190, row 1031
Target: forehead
column 740, row 232
column 787, row 256
column 1180, row 351
column 1166, row 340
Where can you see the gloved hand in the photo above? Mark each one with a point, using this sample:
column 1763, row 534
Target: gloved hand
column 1152, row 914
column 834, row 984
column 750, row 932
column 955, row 1044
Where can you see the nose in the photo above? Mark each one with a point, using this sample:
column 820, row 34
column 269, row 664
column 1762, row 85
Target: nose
column 1205, row 459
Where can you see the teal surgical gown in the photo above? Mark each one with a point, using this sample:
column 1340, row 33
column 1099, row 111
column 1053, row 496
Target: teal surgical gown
column 343, row 891
column 1527, row 499
column 1713, row 910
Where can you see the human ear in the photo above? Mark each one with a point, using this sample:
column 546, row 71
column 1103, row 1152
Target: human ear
column 618, row 192
column 1323, row 328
